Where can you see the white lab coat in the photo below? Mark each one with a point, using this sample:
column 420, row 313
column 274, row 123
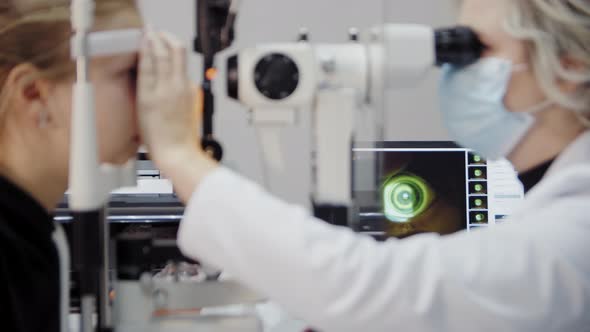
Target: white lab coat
column 529, row 274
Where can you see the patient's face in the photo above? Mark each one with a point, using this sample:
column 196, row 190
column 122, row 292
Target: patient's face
column 114, row 83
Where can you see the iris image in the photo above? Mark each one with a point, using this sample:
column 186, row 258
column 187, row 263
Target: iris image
column 418, row 192
column 405, row 197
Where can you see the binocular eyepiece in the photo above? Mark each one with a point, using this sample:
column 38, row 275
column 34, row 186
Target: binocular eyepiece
column 458, row 46
column 276, row 75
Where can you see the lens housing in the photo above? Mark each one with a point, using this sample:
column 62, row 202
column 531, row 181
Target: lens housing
column 457, row 46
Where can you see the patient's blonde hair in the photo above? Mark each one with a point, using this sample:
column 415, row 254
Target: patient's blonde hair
column 37, row 32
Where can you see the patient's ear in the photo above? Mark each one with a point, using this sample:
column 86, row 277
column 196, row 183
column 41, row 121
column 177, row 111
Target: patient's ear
column 27, row 94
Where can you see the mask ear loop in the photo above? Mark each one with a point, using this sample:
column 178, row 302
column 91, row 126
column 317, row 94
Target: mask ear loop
column 522, row 67
column 584, row 119
column 539, row 107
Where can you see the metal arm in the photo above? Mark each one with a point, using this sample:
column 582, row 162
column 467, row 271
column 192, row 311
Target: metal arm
column 90, row 182
column 215, row 32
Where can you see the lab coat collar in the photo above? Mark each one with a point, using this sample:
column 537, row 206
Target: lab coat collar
column 576, row 153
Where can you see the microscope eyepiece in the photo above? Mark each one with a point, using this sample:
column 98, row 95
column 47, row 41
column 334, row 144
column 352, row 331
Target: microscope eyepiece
column 458, row 46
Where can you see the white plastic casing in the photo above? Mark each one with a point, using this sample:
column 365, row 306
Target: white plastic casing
column 84, row 167
column 336, row 80
column 82, row 15
column 342, row 66
column 410, row 52
column 334, row 127
column 90, row 182
column 342, row 88
column 326, row 66
column 303, row 56
column 112, row 42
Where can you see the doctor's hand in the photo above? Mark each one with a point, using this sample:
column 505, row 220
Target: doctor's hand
column 170, row 113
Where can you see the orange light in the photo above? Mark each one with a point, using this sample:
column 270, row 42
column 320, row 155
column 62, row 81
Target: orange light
column 211, row 73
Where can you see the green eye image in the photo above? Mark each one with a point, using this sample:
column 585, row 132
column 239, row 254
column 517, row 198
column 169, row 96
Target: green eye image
column 405, row 197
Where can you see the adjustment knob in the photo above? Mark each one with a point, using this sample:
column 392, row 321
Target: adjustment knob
column 276, row 76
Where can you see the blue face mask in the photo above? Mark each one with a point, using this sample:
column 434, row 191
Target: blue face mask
column 472, row 106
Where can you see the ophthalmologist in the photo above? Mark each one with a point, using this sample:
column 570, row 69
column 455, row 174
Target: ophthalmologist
column 527, row 99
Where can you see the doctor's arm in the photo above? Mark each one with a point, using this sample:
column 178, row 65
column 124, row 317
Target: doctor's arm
column 503, row 280
column 508, row 279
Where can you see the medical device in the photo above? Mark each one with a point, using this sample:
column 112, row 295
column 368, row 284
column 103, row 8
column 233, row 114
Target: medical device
column 338, row 83
column 141, row 303
column 430, row 187
column 90, row 182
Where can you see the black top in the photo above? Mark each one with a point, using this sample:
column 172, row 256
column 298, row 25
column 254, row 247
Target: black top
column 532, row 177
column 29, row 264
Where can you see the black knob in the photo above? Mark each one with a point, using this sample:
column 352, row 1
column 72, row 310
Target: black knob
column 276, row 76
column 212, row 148
column 233, row 77
column 458, row 46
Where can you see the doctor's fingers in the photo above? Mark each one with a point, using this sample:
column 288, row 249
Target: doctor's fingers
column 155, row 67
column 163, row 57
column 147, row 76
column 179, row 70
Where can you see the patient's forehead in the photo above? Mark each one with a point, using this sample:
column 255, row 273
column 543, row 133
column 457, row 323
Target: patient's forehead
column 109, row 64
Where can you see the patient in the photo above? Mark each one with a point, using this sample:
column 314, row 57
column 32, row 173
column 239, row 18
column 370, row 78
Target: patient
column 36, row 76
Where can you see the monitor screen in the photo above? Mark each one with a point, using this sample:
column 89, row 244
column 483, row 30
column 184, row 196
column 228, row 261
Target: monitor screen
column 429, row 187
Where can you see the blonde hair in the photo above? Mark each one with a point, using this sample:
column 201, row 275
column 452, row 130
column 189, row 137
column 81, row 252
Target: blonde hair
column 38, row 32
column 555, row 32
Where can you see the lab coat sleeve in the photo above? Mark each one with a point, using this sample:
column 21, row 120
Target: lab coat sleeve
column 503, row 280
